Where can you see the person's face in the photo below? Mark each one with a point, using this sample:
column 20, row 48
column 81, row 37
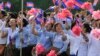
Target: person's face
column 67, row 26
column 12, row 22
column 59, row 28
column 52, row 15
column 31, row 21
column 48, row 27
column 94, row 24
column 19, row 21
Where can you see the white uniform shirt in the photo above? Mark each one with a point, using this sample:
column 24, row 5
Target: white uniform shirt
column 2, row 27
column 83, row 49
column 94, row 47
column 75, row 42
column 11, row 34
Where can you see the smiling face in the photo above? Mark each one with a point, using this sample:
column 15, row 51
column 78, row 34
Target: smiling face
column 49, row 26
column 12, row 22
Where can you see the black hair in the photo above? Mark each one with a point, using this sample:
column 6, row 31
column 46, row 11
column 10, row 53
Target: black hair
column 23, row 13
column 82, row 17
column 25, row 22
column 73, row 24
column 44, row 20
column 77, row 16
column 13, row 15
column 44, row 14
column 87, row 27
column 64, row 22
column 3, row 13
column 52, row 25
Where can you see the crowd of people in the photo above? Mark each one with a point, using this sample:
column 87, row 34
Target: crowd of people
column 59, row 33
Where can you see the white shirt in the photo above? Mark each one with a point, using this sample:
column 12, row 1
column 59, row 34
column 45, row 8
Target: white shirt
column 2, row 27
column 94, row 47
column 75, row 42
column 83, row 49
column 11, row 34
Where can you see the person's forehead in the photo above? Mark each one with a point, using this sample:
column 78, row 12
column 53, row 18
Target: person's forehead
column 12, row 19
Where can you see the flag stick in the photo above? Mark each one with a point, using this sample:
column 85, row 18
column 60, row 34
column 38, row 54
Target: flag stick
column 22, row 5
column 21, row 34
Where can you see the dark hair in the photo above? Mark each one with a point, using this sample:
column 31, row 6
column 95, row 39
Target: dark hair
column 44, row 14
column 73, row 24
column 87, row 27
column 82, row 17
column 25, row 22
column 23, row 13
column 13, row 15
column 77, row 16
column 44, row 20
column 3, row 13
column 8, row 22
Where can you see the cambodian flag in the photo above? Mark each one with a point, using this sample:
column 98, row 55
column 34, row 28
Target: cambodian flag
column 1, row 6
column 29, row 4
column 63, row 5
column 8, row 5
column 39, row 18
column 56, row 2
column 78, row 3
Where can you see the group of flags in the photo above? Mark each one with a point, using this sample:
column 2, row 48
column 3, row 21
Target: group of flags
column 5, row 5
column 78, row 3
column 56, row 2
column 9, row 5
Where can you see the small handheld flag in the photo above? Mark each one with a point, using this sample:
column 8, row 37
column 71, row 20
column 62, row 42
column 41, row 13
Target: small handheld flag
column 8, row 5
column 1, row 6
column 29, row 4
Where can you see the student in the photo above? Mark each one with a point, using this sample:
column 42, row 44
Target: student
column 32, row 28
column 60, row 40
column 83, row 49
column 33, row 37
column 94, row 46
column 94, row 40
column 12, row 32
column 2, row 32
column 67, row 29
column 21, row 40
column 45, row 40
column 75, row 40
